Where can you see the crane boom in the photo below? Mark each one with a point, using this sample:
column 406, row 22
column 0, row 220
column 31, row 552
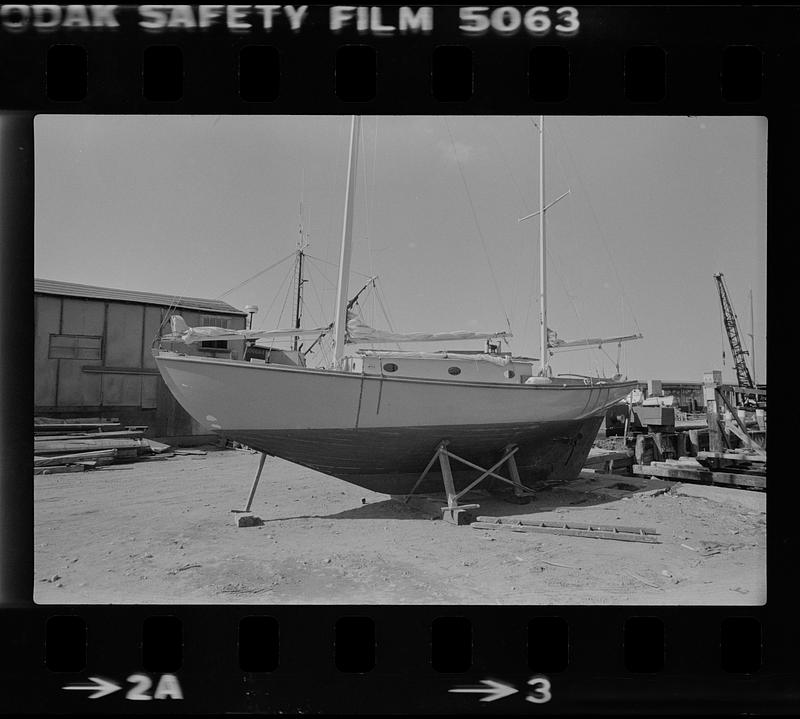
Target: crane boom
column 729, row 320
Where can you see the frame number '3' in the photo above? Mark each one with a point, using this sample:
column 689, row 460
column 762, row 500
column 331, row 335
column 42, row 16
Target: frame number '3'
column 541, row 690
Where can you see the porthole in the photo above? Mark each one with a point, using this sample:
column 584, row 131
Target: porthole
column 390, row 367
column 454, row 370
column 509, row 373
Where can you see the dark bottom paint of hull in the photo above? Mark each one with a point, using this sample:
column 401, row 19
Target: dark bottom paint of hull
column 390, row 460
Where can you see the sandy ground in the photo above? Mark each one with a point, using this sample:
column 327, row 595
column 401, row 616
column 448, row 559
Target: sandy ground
column 162, row 531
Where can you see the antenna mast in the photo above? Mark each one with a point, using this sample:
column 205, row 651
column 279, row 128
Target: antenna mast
column 300, row 255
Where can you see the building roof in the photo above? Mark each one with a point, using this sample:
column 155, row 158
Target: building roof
column 70, row 289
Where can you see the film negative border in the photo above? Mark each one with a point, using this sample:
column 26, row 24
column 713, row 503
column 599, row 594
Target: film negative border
column 409, row 660
column 187, row 659
column 166, row 59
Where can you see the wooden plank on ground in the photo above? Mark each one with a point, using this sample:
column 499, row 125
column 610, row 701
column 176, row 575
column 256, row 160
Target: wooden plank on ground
column 120, row 434
column 75, row 420
column 672, row 472
column 157, row 447
column 77, row 457
column 154, row 457
column 59, row 469
column 730, row 479
column 87, row 445
column 736, row 456
column 56, row 428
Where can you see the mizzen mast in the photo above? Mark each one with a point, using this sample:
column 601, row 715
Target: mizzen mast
column 298, row 310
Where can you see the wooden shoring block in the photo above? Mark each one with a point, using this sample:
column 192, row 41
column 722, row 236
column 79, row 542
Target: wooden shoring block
column 681, row 444
column 460, row 515
column 644, row 452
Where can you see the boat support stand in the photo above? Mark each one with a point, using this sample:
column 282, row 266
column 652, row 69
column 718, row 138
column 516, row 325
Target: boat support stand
column 456, row 513
column 248, row 519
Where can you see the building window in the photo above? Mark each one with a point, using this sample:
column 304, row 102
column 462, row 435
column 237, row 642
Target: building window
column 454, row 370
column 83, row 347
column 390, row 367
column 209, row 321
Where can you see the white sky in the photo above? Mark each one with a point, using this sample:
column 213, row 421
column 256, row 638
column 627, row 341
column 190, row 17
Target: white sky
column 196, row 205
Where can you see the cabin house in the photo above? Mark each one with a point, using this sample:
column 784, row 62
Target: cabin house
column 688, row 396
column 92, row 354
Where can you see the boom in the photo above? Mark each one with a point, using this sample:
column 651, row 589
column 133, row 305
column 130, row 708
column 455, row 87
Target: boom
column 729, row 319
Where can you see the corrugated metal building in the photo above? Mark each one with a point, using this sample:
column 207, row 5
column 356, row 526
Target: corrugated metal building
column 92, row 354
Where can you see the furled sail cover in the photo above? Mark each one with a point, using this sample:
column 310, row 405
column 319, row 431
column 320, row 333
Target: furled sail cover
column 357, row 331
column 499, row 360
column 181, row 332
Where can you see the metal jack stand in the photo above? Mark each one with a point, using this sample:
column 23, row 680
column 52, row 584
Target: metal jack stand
column 454, row 512
column 240, row 521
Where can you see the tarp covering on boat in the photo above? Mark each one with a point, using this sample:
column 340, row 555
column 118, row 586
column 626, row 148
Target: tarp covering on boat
column 500, row 360
column 181, row 332
column 357, row 331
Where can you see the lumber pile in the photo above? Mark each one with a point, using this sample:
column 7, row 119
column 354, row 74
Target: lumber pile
column 733, row 468
column 76, row 445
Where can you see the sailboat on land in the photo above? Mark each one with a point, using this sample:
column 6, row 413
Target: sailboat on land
column 375, row 418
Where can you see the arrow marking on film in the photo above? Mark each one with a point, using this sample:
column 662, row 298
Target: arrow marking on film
column 100, row 687
column 496, row 690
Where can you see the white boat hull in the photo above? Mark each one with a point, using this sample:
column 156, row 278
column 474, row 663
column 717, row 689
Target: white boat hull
column 380, row 432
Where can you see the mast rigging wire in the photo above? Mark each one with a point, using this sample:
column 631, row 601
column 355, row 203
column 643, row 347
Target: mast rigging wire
column 258, row 274
column 477, row 224
column 599, row 230
column 333, row 264
column 289, row 292
column 274, row 299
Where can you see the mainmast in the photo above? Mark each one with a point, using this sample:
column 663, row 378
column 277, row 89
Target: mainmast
column 543, row 348
column 545, row 345
column 340, row 322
